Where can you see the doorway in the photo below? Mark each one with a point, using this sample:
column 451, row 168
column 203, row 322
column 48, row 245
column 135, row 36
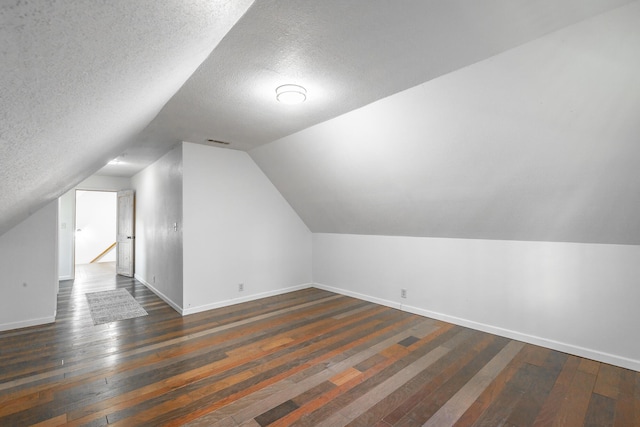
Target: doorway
column 95, row 233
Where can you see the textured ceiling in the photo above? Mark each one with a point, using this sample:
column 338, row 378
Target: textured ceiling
column 79, row 79
column 538, row 143
column 84, row 81
column 346, row 54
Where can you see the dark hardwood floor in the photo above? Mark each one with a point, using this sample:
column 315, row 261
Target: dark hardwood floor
column 306, row 358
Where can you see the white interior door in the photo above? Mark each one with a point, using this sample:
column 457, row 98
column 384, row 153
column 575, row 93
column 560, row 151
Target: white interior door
column 126, row 236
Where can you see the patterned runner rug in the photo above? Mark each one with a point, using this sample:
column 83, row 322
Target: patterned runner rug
column 109, row 306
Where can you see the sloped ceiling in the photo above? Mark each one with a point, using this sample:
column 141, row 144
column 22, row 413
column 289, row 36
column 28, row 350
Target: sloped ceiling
column 80, row 79
column 487, row 147
column 346, row 53
column 541, row 142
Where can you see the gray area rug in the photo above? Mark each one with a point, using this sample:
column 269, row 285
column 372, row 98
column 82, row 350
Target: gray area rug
column 109, row 306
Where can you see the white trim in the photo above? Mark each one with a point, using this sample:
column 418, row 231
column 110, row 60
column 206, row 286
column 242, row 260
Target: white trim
column 225, row 303
column 357, row 295
column 68, row 277
column 508, row 333
column 162, row 296
column 531, row 339
column 28, row 323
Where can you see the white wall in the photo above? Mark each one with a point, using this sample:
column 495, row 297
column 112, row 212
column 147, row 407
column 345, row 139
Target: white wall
column 66, row 235
column 105, row 183
column 96, row 213
column 578, row 298
column 29, row 271
column 158, row 250
column 66, row 213
column 237, row 229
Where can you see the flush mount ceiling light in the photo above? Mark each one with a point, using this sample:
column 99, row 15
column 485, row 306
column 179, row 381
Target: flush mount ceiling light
column 291, row 94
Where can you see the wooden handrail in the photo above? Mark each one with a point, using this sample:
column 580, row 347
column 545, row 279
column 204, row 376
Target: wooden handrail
column 113, row 245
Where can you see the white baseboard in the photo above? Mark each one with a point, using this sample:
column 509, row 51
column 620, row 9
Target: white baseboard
column 67, row 277
column 162, row 296
column 515, row 335
column 225, row 303
column 27, row 323
column 357, row 295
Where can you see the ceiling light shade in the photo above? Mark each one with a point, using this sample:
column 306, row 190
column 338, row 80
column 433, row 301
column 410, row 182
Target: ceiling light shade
column 291, row 94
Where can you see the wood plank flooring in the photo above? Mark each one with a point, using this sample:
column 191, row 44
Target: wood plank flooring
column 307, row 358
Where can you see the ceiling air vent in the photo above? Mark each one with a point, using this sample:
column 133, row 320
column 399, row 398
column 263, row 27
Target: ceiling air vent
column 215, row 141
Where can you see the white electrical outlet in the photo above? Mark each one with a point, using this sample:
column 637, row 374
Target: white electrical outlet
column 403, row 293
column 240, row 287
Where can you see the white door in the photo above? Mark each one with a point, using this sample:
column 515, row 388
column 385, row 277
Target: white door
column 125, row 240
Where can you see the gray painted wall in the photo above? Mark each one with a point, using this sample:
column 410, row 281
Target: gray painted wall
column 158, row 248
column 29, row 270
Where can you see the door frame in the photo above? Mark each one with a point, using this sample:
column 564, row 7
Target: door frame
column 128, row 236
column 74, row 211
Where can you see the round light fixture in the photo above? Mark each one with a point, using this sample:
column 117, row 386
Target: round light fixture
column 291, row 94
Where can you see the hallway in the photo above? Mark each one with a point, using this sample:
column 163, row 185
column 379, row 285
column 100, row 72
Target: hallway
column 98, row 271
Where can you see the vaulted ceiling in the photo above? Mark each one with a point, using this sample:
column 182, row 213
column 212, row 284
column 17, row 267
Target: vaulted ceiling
column 490, row 119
